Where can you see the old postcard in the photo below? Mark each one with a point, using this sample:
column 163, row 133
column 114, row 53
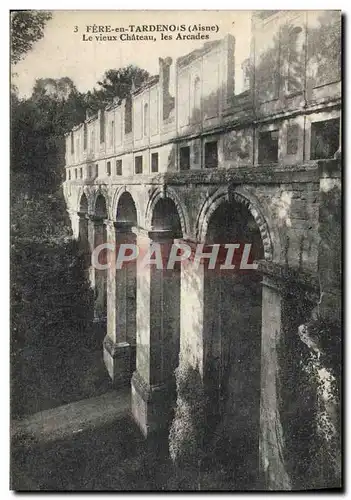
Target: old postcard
column 176, row 308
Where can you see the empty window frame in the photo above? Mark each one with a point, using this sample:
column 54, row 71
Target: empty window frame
column 85, row 140
column 102, row 126
column 268, row 146
column 325, row 139
column 128, row 120
column 154, row 162
column 112, row 133
column 184, row 158
column 211, row 154
column 118, row 167
column 138, row 164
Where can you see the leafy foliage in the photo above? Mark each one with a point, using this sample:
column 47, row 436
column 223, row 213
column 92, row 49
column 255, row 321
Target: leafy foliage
column 27, row 27
column 115, row 84
column 311, row 404
column 187, row 429
column 51, row 303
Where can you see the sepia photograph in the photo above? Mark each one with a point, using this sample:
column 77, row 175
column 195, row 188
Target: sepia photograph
column 176, row 299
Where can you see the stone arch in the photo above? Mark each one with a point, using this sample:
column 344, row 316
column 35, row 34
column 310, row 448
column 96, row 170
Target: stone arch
column 167, row 192
column 224, row 194
column 94, row 197
column 115, row 200
column 83, row 203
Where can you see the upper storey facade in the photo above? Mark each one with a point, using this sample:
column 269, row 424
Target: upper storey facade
column 285, row 109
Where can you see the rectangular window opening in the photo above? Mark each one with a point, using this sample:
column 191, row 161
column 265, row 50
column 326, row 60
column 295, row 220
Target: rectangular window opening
column 211, row 154
column 112, row 133
column 138, row 164
column 85, row 141
column 102, row 126
column 108, row 168
column 96, row 170
column 268, row 147
column 184, row 158
column 118, row 167
column 154, row 162
column 325, row 139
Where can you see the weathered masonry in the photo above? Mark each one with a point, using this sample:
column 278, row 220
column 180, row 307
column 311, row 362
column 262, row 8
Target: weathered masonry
column 210, row 164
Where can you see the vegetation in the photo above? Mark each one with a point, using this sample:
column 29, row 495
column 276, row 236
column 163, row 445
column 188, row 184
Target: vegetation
column 51, row 302
column 27, row 27
column 310, row 404
column 186, row 437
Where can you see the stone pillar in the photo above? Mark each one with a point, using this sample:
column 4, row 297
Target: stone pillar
column 84, row 238
column 153, row 388
column 192, row 324
column 97, row 236
column 119, row 343
column 271, row 433
column 330, row 234
column 75, row 223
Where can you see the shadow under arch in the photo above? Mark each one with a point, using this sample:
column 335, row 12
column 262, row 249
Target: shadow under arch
column 120, row 192
column 126, row 216
column 100, row 206
column 99, row 276
column 233, row 323
column 167, row 194
column 126, row 210
column 83, row 237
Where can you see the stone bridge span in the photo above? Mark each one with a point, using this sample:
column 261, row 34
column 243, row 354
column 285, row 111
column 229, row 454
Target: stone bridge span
column 228, row 159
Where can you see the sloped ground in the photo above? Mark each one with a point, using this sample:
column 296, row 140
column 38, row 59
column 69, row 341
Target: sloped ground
column 94, row 444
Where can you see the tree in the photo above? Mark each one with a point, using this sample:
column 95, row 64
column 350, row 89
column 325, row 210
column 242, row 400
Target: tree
column 38, row 125
column 27, row 27
column 59, row 88
column 116, row 83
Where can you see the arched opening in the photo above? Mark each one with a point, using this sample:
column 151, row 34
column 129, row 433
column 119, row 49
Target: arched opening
column 100, row 207
column 100, row 282
column 233, row 306
column 158, row 320
column 165, row 292
column 126, row 210
column 165, row 217
column 126, row 219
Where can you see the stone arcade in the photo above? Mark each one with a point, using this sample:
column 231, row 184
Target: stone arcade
column 215, row 165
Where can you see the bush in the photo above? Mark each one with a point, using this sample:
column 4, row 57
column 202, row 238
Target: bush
column 188, row 426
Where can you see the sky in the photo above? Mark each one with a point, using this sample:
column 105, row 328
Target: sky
column 63, row 52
